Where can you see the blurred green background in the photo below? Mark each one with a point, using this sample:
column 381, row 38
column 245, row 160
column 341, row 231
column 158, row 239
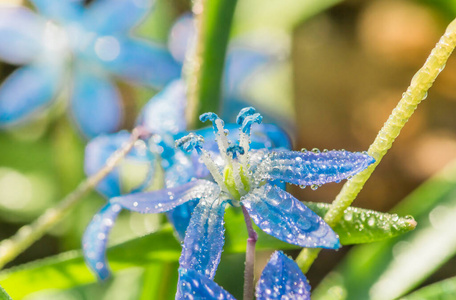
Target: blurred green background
column 343, row 68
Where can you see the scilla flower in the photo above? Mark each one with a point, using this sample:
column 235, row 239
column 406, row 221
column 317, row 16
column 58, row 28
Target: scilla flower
column 280, row 279
column 80, row 48
column 163, row 117
column 244, row 178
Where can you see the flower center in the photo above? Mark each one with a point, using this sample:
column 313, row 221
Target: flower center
column 235, row 179
column 229, row 178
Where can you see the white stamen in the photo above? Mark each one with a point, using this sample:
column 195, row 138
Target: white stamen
column 222, row 140
column 237, row 178
column 244, row 142
column 213, row 169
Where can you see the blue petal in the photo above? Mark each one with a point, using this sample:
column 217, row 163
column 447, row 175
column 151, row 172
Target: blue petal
column 282, row 279
column 96, row 104
column 281, row 215
column 21, row 35
column 312, row 168
column 136, row 60
column 107, row 16
column 179, row 170
column 95, row 239
column 166, row 199
column 26, row 91
column 62, row 11
column 180, row 217
column 165, row 112
column 193, row 285
column 204, row 239
column 181, row 37
column 102, row 147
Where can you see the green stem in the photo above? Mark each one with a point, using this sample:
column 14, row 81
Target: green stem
column 416, row 92
column 28, row 234
column 214, row 18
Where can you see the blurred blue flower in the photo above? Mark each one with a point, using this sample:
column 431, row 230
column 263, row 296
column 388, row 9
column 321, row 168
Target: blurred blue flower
column 245, row 178
column 164, row 118
column 80, row 48
column 280, row 279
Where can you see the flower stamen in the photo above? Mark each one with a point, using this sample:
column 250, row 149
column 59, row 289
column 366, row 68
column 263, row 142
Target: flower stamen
column 192, row 142
column 246, row 118
column 220, row 133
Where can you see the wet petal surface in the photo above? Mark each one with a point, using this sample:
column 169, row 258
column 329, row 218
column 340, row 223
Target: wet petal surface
column 281, row 215
column 26, row 91
column 282, row 279
column 204, row 239
column 95, row 239
column 193, row 285
column 312, row 168
column 167, row 199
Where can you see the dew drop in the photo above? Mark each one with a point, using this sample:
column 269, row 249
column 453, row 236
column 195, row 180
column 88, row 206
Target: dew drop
column 314, row 187
column 316, row 150
column 371, row 221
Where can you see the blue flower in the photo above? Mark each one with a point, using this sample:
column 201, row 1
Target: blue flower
column 280, row 279
column 245, row 178
column 95, row 42
column 164, row 118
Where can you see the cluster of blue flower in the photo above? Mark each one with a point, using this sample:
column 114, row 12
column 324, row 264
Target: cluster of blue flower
column 242, row 165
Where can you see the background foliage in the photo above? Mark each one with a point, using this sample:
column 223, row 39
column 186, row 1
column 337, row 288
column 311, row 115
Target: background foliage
column 344, row 67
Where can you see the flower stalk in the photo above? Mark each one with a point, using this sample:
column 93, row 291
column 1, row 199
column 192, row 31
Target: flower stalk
column 415, row 93
column 28, row 234
column 249, row 257
column 214, row 20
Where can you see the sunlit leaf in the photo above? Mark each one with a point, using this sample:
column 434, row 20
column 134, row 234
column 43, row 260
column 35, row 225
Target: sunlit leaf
column 389, row 269
column 68, row 269
column 442, row 290
column 4, row 295
column 366, row 226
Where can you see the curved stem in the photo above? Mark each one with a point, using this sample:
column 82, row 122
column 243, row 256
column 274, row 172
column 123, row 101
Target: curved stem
column 28, row 234
column 416, row 92
column 249, row 257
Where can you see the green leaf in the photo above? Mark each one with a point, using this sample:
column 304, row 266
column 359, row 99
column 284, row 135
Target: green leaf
column 68, row 269
column 389, row 269
column 4, row 295
column 442, row 290
column 366, row 226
